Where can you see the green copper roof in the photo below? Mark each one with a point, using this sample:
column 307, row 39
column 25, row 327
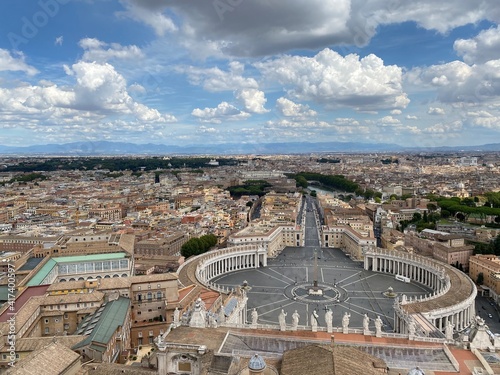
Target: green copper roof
column 42, row 274
column 101, row 325
column 52, row 262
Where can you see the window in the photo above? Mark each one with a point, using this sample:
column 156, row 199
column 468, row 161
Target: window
column 46, row 330
column 65, row 316
column 139, row 334
column 66, row 326
column 56, row 320
column 150, row 296
column 184, row 367
column 150, row 333
column 158, row 295
column 46, row 321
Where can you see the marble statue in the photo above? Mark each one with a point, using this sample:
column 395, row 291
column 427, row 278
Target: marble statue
column 295, row 320
column 378, row 327
column 449, row 331
column 221, row 316
column 345, row 322
column 255, row 316
column 212, row 322
column 329, row 320
column 314, row 321
column 366, row 323
column 282, row 320
column 177, row 316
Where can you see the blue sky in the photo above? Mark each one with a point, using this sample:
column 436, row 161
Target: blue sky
column 223, row 71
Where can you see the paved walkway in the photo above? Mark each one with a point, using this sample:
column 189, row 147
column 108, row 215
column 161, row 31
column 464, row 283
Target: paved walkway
column 361, row 291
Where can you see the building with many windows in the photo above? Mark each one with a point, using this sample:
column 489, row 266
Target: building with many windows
column 82, row 267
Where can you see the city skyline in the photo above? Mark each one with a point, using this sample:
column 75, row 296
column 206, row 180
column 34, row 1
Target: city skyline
column 228, row 71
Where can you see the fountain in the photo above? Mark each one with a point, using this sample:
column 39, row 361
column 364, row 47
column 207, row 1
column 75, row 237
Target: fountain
column 390, row 293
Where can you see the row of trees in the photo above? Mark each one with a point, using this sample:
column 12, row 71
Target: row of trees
column 198, row 245
column 463, row 208
column 250, row 187
column 334, row 182
column 114, row 164
column 425, row 221
column 491, row 248
column 337, row 182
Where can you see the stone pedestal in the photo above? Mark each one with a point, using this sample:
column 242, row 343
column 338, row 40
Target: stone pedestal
column 162, row 363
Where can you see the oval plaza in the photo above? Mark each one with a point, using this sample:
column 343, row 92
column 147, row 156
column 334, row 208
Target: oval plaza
column 445, row 299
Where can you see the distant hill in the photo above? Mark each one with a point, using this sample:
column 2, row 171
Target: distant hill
column 89, row 148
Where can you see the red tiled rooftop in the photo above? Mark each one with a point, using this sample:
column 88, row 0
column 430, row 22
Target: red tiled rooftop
column 22, row 298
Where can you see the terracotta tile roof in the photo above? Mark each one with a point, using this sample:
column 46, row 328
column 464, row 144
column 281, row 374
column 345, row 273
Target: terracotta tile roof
column 328, row 360
column 52, row 359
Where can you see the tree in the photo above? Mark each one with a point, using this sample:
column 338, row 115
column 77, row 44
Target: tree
column 301, row 181
column 445, row 214
column 480, row 278
column 431, row 207
column 495, row 245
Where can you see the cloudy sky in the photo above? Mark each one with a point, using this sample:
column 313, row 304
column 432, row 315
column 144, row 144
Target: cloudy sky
column 184, row 72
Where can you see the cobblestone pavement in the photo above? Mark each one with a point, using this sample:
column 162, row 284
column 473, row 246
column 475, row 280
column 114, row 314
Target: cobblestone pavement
column 286, row 277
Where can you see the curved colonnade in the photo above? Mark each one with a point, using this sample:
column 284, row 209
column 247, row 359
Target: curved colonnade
column 453, row 300
column 218, row 262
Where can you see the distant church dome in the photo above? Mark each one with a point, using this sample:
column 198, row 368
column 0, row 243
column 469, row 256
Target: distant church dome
column 256, row 363
column 416, row 371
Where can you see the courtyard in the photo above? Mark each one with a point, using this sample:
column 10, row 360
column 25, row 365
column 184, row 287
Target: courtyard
column 344, row 287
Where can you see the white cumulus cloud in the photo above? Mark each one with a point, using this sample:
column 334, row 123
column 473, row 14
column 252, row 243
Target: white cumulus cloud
column 216, row 79
column 222, row 113
column 480, row 49
column 15, row 63
column 436, row 111
column 336, row 81
column 96, row 50
column 253, row 100
column 288, row 108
